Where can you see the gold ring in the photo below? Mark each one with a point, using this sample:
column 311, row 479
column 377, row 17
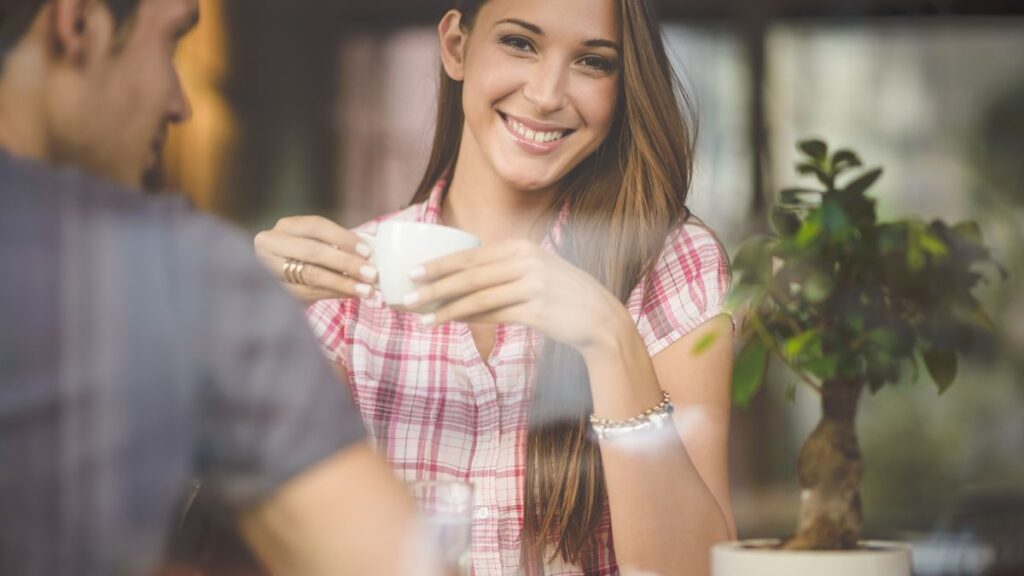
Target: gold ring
column 288, row 271
column 293, row 272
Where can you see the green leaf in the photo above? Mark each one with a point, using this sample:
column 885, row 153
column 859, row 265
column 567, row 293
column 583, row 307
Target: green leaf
column 810, row 231
column 818, row 287
column 892, row 238
column 786, row 221
column 859, row 210
column 794, row 347
column 815, row 149
column 823, row 367
column 969, row 231
column 982, row 320
column 792, row 195
column 845, row 159
column 915, row 257
column 941, row 365
column 832, row 216
column 864, row 182
column 704, row 343
column 933, row 245
column 883, row 339
column 754, row 260
column 744, row 295
column 748, row 372
column 811, row 169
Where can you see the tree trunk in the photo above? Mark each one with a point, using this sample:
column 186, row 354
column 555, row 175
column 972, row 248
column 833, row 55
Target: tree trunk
column 829, row 470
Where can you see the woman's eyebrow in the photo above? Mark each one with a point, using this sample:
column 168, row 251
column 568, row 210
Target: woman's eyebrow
column 522, row 23
column 593, row 43
column 601, row 43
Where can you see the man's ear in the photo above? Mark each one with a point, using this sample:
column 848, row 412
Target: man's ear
column 453, row 45
column 78, row 28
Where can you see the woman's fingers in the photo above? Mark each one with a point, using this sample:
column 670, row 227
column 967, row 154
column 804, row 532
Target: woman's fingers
column 520, row 297
column 471, row 259
column 334, row 260
column 324, row 231
column 463, row 282
column 318, row 283
column 315, row 253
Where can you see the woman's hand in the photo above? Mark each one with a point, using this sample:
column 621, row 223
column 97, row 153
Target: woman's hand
column 335, row 260
column 519, row 282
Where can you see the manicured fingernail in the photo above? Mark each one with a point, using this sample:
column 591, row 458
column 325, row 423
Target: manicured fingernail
column 368, row 272
column 417, row 272
column 364, row 290
column 364, row 250
column 428, row 320
column 411, row 299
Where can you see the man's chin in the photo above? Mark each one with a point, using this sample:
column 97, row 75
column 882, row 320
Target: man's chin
column 129, row 177
column 152, row 179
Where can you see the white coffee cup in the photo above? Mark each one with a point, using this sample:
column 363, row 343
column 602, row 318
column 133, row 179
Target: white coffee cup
column 398, row 247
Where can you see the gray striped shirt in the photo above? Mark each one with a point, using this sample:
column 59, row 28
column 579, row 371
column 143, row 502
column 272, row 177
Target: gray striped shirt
column 141, row 346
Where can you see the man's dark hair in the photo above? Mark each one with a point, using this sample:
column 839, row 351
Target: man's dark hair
column 16, row 17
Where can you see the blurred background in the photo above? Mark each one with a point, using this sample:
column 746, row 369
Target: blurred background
column 327, row 107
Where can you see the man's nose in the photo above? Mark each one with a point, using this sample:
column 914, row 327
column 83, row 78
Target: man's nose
column 179, row 109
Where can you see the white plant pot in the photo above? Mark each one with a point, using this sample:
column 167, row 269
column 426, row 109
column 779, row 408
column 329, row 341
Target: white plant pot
column 753, row 558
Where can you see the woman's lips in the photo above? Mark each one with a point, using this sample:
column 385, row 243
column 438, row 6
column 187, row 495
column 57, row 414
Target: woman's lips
column 532, row 137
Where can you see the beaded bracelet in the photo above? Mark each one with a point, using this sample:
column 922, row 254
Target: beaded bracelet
column 652, row 418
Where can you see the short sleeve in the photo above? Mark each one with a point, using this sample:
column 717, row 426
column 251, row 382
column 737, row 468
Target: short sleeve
column 686, row 287
column 331, row 319
column 327, row 319
column 272, row 407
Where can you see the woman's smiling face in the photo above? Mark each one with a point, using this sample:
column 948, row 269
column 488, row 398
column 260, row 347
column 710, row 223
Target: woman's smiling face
column 540, row 85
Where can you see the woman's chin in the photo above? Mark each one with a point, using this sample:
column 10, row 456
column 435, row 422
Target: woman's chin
column 527, row 179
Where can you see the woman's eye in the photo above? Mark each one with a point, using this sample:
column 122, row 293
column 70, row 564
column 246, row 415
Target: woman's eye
column 517, row 43
column 597, row 63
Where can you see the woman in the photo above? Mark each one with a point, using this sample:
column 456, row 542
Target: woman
column 561, row 144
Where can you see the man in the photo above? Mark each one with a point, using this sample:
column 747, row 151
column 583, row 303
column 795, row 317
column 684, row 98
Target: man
column 141, row 344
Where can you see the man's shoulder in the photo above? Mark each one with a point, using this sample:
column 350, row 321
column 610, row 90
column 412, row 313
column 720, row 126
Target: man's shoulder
column 97, row 218
column 69, row 191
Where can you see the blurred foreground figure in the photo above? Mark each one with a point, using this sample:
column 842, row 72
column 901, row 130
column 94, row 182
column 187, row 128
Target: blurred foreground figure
column 141, row 344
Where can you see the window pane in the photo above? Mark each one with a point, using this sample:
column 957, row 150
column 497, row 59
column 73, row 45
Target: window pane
column 941, row 107
column 712, row 64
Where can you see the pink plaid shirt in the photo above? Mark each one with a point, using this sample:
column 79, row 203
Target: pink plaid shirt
column 437, row 410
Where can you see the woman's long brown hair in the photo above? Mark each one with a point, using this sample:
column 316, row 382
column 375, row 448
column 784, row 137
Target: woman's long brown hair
column 624, row 200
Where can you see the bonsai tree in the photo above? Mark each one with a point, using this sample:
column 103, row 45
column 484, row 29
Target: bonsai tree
column 849, row 303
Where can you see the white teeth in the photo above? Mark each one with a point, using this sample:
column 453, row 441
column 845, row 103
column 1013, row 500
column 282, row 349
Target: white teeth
column 528, row 134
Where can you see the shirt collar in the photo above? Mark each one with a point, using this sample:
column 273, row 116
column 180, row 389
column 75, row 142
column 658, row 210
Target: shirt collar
column 431, row 214
column 432, row 208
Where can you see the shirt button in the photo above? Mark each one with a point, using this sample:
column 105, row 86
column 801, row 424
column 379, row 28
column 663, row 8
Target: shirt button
column 483, row 513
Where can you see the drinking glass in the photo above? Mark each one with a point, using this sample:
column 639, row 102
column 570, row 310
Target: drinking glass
column 447, row 510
